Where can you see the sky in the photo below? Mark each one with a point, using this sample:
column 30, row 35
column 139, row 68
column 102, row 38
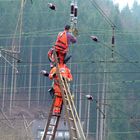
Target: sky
column 123, row 3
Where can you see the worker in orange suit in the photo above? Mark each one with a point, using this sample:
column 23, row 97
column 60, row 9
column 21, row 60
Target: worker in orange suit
column 66, row 73
column 61, row 46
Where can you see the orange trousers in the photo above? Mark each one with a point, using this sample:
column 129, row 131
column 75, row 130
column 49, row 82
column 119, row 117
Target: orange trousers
column 58, row 100
column 61, row 57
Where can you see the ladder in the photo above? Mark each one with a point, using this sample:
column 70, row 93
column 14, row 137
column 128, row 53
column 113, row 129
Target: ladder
column 74, row 124
column 52, row 124
column 72, row 118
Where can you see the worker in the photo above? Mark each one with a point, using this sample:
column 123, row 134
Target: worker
column 61, row 46
column 66, row 73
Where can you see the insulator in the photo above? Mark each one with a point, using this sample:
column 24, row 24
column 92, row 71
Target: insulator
column 89, row 97
column 75, row 10
column 94, row 38
column 72, row 8
column 52, row 6
column 113, row 40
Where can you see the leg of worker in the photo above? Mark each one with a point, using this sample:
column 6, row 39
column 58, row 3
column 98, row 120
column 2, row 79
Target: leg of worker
column 58, row 99
column 57, row 104
column 61, row 57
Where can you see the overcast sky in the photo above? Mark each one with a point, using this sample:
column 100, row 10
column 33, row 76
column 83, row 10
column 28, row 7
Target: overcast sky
column 123, row 3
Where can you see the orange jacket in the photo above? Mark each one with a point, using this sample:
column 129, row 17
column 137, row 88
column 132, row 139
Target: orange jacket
column 64, row 71
column 61, row 43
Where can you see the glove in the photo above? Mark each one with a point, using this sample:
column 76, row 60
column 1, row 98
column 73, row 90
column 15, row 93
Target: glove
column 67, row 79
column 44, row 72
column 54, row 75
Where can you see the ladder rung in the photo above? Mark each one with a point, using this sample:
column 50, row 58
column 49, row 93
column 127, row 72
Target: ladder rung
column 50, row 134
column 66, row 99
column 73, row 128
column 52, row 125
column 57, row 115
column 71, row 119
column 68, row 109
column 74, row 138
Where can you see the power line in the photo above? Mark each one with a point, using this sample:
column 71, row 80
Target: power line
column 94, row 3
column 45, row 63
column 76, row 85
column 40, row 112
column 81, row 73
column 55, row 31
column 124, row 57
column 78, row 99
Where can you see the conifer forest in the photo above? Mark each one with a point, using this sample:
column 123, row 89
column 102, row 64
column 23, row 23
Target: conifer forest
column 105, row 64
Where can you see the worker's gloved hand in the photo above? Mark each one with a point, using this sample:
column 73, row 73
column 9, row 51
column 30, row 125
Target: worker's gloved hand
column 44, row 72
column 54, row 75
column 72, row 96
column 67, row 79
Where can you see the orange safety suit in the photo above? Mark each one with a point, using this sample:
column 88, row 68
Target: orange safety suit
column 66, row 73
column 61, row 46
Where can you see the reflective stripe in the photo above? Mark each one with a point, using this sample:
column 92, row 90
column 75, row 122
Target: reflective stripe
column 62, row 47
column 61, row 42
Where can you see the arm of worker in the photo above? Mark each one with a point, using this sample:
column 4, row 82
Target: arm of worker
column 68, row 76
column 67, row 79
column 71, row 38
column 52, row 73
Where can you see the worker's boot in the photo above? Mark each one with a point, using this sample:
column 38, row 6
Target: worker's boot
column 51, row 91
column 56, row 111
column 67, row 59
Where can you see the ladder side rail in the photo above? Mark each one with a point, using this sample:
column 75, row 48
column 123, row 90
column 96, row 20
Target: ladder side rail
column 75, row 111
column 62, row 86
column 57, row 122
column 55, row 128
column 78, row 120
column 68, row 94
column 64, row 93
column 48, row 122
